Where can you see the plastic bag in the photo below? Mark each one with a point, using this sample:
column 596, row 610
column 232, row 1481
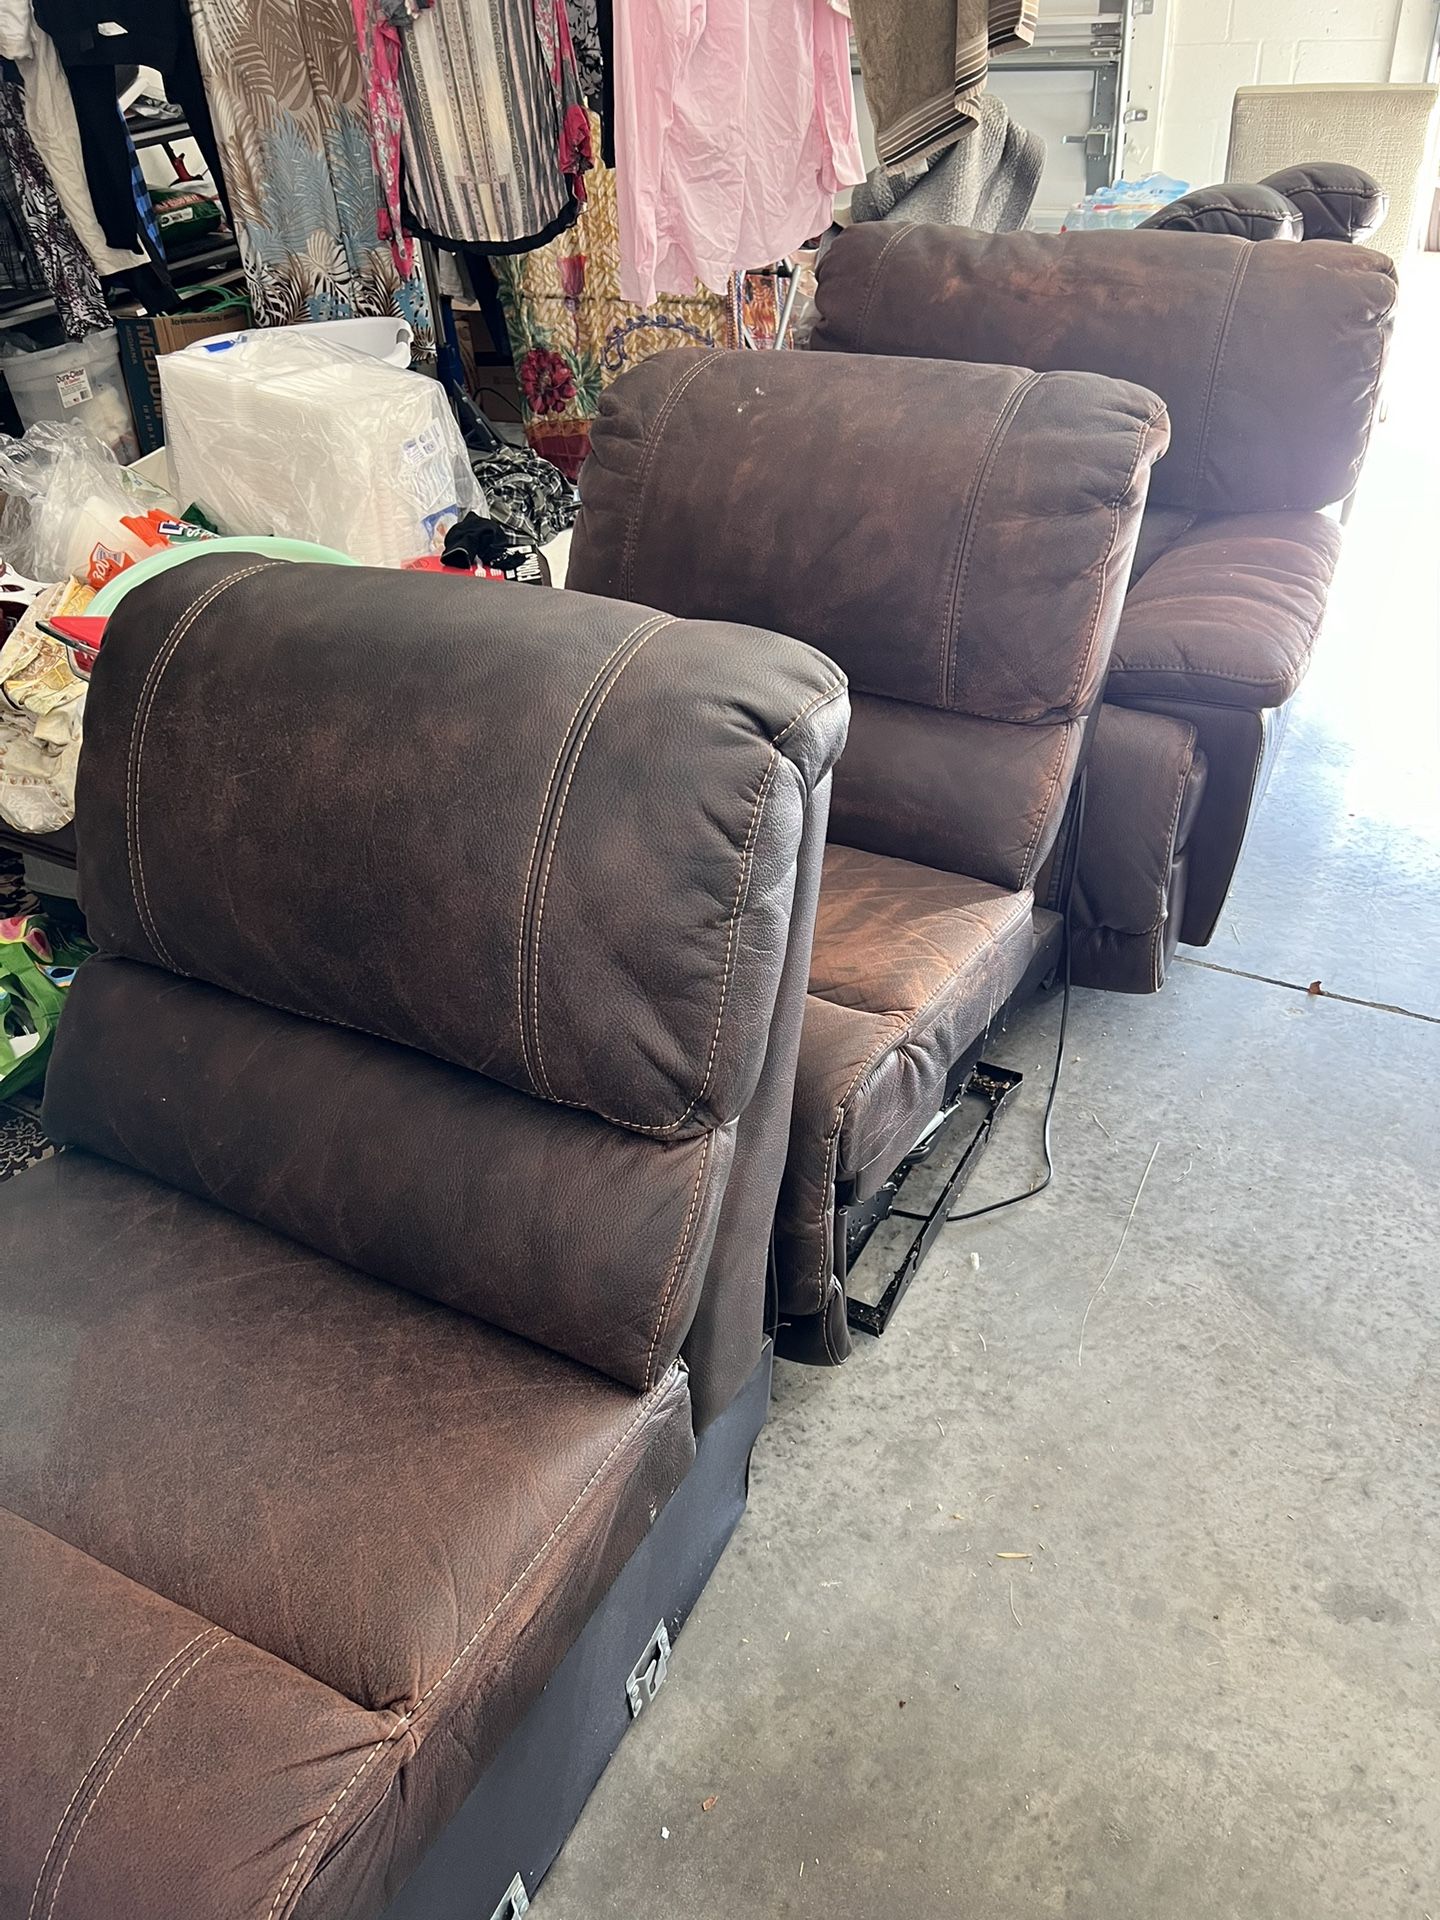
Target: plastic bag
column 36, row 969
column 42, row 705
column 1124, row 203
column 278, row 432
column 67, row 496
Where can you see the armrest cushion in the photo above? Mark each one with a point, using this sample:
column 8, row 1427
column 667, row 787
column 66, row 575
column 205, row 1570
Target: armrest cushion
column 1229, row 613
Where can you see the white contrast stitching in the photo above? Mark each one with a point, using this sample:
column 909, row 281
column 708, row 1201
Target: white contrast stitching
column 408, row 1719
column 543, row 1083
column 114, row 1764
column 104, row 1747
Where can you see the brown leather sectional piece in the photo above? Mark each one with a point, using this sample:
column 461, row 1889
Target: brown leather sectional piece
column 1269, row 359
column 958, row 538
column 410, row 1114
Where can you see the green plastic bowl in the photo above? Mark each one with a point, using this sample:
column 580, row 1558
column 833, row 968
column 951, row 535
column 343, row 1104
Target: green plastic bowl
column 270, row 546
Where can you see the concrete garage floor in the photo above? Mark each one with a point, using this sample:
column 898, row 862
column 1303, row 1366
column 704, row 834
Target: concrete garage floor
column 1211, row 1687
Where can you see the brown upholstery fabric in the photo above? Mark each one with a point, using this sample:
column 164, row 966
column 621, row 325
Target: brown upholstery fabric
column 1042, row 477
column 397, row 1164
column 1238, row 748
column 289, row 1449
column 330, row 1537
column 729, row 1323
column 1145, row 781
column 959, row 539
column 1160, row 528
column 989, row 598
column 910, row 966
column 977, row 797
column 340, row 1476
column 512, row 727
column 1267, row 357
column 1228, row 613
column 126, row 1711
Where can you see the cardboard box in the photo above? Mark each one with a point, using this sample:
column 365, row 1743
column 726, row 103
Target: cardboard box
column 144, row 337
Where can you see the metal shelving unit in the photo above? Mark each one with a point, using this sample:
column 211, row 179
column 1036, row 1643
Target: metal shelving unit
column 218, row 262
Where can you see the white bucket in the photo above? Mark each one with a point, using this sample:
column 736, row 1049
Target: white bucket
column 80, row 383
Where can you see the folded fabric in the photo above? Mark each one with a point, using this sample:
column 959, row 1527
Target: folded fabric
column 923, row 61
column 987, row 182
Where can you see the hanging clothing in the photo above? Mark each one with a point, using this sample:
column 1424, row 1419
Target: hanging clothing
column 60, row 261
column 93, row 38
column 572, row 335
column 923, row 61
column 496, row 137
column 735, row 130
column 378, row 38
column 288, row 94
column 50, row 116
column 584, row 19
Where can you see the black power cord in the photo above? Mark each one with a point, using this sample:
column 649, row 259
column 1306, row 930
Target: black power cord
column 1072, row 861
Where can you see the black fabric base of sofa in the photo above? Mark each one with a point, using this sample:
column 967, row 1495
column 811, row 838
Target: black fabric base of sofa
column 517, row 1818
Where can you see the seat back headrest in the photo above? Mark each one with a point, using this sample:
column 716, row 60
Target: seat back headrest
column 1335, row 202
column 1234, row 207
column 1268, row 358
column 548, row 838
column 942, row 531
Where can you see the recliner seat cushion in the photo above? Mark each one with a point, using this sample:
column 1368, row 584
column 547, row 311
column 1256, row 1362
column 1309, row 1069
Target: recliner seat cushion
column 909, row 968
column 1228, row 612
column 278, row 1443
column 395, row 1518
column 125, row 1708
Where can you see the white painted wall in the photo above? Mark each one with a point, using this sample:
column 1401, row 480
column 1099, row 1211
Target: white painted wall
column 1215, row 46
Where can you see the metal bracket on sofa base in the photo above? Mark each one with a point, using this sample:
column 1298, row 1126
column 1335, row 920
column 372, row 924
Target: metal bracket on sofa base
column 854, row 1224
column 515, row 1903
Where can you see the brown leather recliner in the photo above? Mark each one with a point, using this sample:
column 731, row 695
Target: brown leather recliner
column 958, row 539
column 1269, row 360
column 425, row 1113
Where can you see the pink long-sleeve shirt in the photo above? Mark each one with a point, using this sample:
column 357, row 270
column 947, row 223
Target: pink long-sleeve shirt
column 735, row 128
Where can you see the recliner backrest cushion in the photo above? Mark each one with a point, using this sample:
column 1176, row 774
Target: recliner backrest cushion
column 1267, row 357
column 425, row 850
column 563, row 894
column 956, row 537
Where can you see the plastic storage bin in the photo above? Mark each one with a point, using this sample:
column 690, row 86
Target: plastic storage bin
column 384, row 339
column 80, row 383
